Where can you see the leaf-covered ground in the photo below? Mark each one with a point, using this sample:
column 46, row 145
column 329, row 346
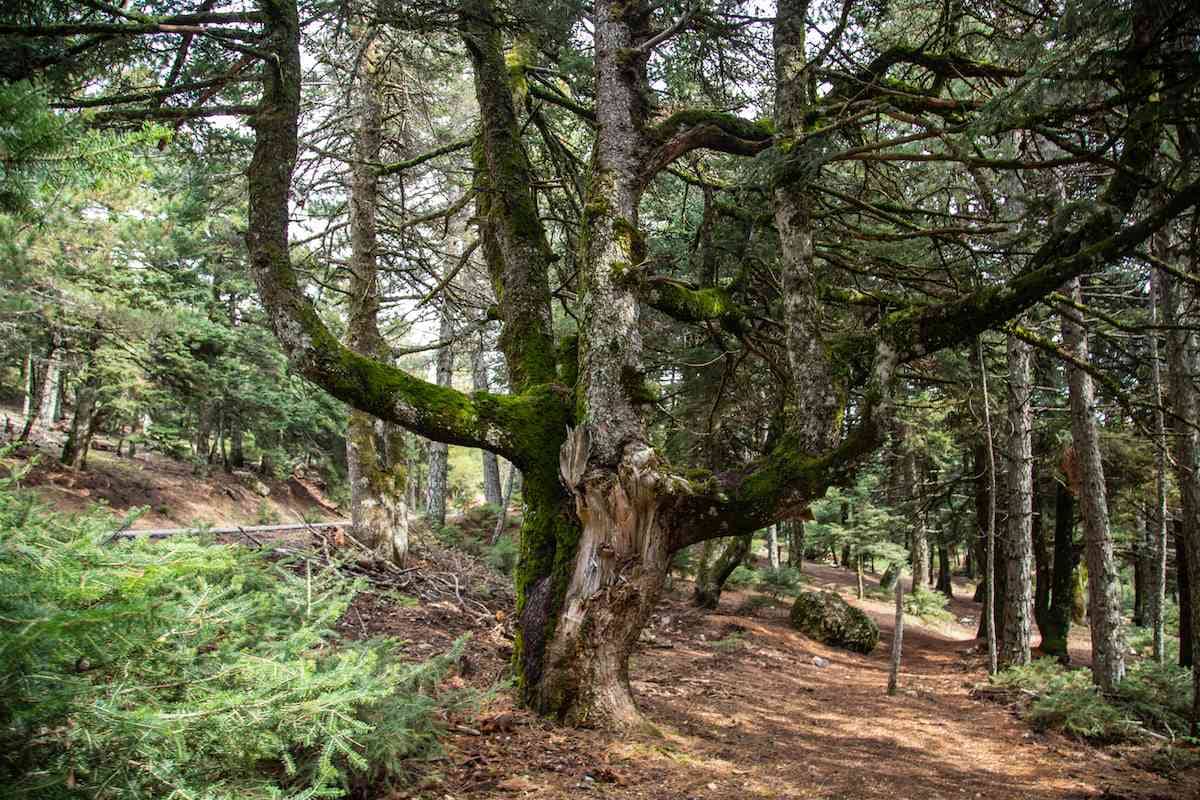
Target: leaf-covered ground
column 742, row 711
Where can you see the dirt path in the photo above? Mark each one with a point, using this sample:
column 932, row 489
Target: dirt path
column 743, row 712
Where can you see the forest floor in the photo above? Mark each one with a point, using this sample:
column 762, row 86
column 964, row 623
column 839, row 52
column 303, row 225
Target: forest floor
column 740, row 706
column 742, row 710
column 174, row 493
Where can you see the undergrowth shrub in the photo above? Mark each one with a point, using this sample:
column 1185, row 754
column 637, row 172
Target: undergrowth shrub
column 136, row 669
column 742, row 576
column 502, row 556
column 927, row 604
column 1153, row 696
column 780, row 580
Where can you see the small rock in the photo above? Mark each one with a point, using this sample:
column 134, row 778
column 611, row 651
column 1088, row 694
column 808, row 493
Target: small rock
column 712, row 787
column 820, row 662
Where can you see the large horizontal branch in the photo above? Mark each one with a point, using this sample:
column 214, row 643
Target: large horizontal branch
column 922, row 330
column 689, row 130
column 687, row 304
column 944, row 65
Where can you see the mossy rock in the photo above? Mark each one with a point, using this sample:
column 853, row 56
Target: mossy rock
column 828, row 618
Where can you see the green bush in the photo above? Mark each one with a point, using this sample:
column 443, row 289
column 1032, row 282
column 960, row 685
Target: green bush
column 780, row 580
column 741, row 576
column 927, row 604
column 139, row 669
column 1154, row 696
column 502, row 556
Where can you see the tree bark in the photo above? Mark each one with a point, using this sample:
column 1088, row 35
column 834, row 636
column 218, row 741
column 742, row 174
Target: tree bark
column 439, row 452
column 1182, row 365
column 773, row 546
column 1055, row 623
column 493, row 494
column 1182, row 573
column 897, row 641
column 711, row 577
column 1108, row 642
column 376, row 451
column 84, row 422
column 1018, row 598
column 1157, row 584
column 945, row 582
column 795, row 538
column 988, row 619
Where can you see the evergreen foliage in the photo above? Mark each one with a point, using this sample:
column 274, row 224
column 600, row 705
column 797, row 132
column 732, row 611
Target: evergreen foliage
column 1153, row 696
column 179, row 669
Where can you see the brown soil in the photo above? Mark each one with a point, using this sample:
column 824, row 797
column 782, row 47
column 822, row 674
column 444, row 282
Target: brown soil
column 741, row 710
column 173, row 494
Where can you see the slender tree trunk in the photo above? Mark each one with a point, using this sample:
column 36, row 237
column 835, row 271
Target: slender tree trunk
column 897, row 641
column 1018, row 598
column 492, row 492
column 1108, row 645
column 795, row 530
column 1157, row 587
column 1055, row 624
column 514, row 480
column 1183, row 582
column 29, row 384
column 945, row 582
column 988, row 618
column 773, row 546
column 435, row 499
column 83, row 422
column 376, row 452
column 711, row 577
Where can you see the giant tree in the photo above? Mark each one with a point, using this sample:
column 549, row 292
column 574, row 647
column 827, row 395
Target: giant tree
column 854, row 275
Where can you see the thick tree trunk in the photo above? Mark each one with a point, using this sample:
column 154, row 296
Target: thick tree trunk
column 1108, row 643
column 38, row 424
column 1140, row 551
column 1043, row 565
column 1185, row 407
column 1018, row 598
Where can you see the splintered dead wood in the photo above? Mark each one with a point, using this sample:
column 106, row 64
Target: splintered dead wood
column 743, row 712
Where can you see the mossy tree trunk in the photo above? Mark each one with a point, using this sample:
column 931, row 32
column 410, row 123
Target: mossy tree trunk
column 711, row 575
column 376, row 451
